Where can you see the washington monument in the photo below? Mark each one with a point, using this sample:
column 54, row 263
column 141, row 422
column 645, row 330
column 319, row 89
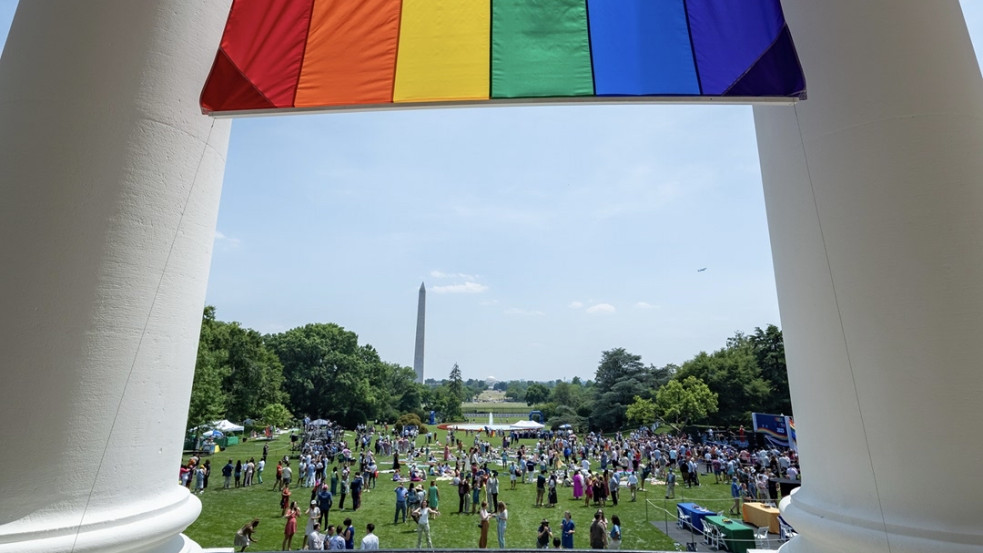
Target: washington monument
column 421, row 318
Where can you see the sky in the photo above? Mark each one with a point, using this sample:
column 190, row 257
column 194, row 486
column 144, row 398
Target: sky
column 544, row 235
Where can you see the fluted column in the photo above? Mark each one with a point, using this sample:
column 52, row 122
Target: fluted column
column 874, row 195
column 109, row 185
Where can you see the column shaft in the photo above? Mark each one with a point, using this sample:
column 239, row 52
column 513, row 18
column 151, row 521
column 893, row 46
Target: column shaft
column 110, row 185
column 874, row 204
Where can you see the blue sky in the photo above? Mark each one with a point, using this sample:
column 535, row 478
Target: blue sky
column 544, row 235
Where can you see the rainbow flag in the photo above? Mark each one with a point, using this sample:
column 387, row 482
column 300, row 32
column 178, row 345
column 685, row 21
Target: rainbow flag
column 331, row 54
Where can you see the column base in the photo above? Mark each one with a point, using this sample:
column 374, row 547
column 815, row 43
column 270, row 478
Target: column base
column 825, row 530
column 142, row 526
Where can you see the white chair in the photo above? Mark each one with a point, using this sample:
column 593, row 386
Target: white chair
column 721, row 540
column 712, row 534
column 761, row 537
column 708, row 532
column 785, row 530
column 682, row 519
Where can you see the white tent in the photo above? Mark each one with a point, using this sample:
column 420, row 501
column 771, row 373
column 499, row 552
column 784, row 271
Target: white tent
column 527, row 425
column 226, row 426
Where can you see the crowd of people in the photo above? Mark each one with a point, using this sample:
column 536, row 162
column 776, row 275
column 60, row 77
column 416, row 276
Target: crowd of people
column 602, row 471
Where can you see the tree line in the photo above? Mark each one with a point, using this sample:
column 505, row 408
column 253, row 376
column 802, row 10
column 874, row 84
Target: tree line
column 721, row 388
column 321, row 370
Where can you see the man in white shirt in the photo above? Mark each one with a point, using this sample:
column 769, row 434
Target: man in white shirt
column 370, row 541
column 315, row 539
column 632, row 484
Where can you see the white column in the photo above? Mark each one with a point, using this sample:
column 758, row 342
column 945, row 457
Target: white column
column 109, row 185
column 874, row 194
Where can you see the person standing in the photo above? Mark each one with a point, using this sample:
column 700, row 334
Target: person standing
column 337, row 540
column 633, row 484
column 259, row 469
column 344, row 490
column 567, row 528
column 463, row 495
column 324, row 503
column 540, row 488
column 200, row 479
column 483, row 524
column 370, row 541
column 599, row 531
column 543, row 535
column 284, row 500
column 433, row 496
column 735, row 492
column 401, row 494
column 247, row 534
column 287, row 474
column 614, row 484
column 313, row 514
column 291, row 527
column 491, row 487
column 238, row 472
column 423, row 524
column 502, row 517
column 671, row 484
column 614, row 541
column 357, row 484
column 349, row 534
column 227, row 474
column 315, row 539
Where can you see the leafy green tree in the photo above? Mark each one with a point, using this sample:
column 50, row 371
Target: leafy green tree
column 208, row 398
column 768, row 346
column 536, row 393
column 516, row 390
column 686, row 400
column 615, row 365
column 733, row 374
column 443, row 400
column 326, row 373
column 275, row 414
column 642, row 411
column 620, row 377
column 236, row 374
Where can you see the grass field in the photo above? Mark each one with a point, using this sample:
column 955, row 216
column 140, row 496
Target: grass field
column 224, row 511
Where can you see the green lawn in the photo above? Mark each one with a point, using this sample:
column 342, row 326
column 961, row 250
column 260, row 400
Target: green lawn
column 224, row 511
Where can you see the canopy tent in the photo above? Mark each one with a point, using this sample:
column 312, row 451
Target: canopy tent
column 527, row 425
column 319, row 422
column 327, row 54
column 226, row 426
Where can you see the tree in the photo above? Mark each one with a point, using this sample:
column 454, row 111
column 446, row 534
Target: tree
column 733, row 374
column 326, row 373
column 642, row 411
column 456, row 384
column 768, row 346
column 275, row 414
column 536, row 393
column 687, row 400
column 615, row 365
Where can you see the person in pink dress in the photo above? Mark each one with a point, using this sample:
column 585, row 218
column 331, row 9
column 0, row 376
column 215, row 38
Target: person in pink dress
column 291, row 528
column 578, row 485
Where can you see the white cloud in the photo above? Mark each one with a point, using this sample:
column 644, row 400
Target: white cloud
column 601, row 308
column 441, row 274
column 486, row 303
column 576, row 305
column 226, row 241
column 645, row 305
column 466, row 288
column 524, row 312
